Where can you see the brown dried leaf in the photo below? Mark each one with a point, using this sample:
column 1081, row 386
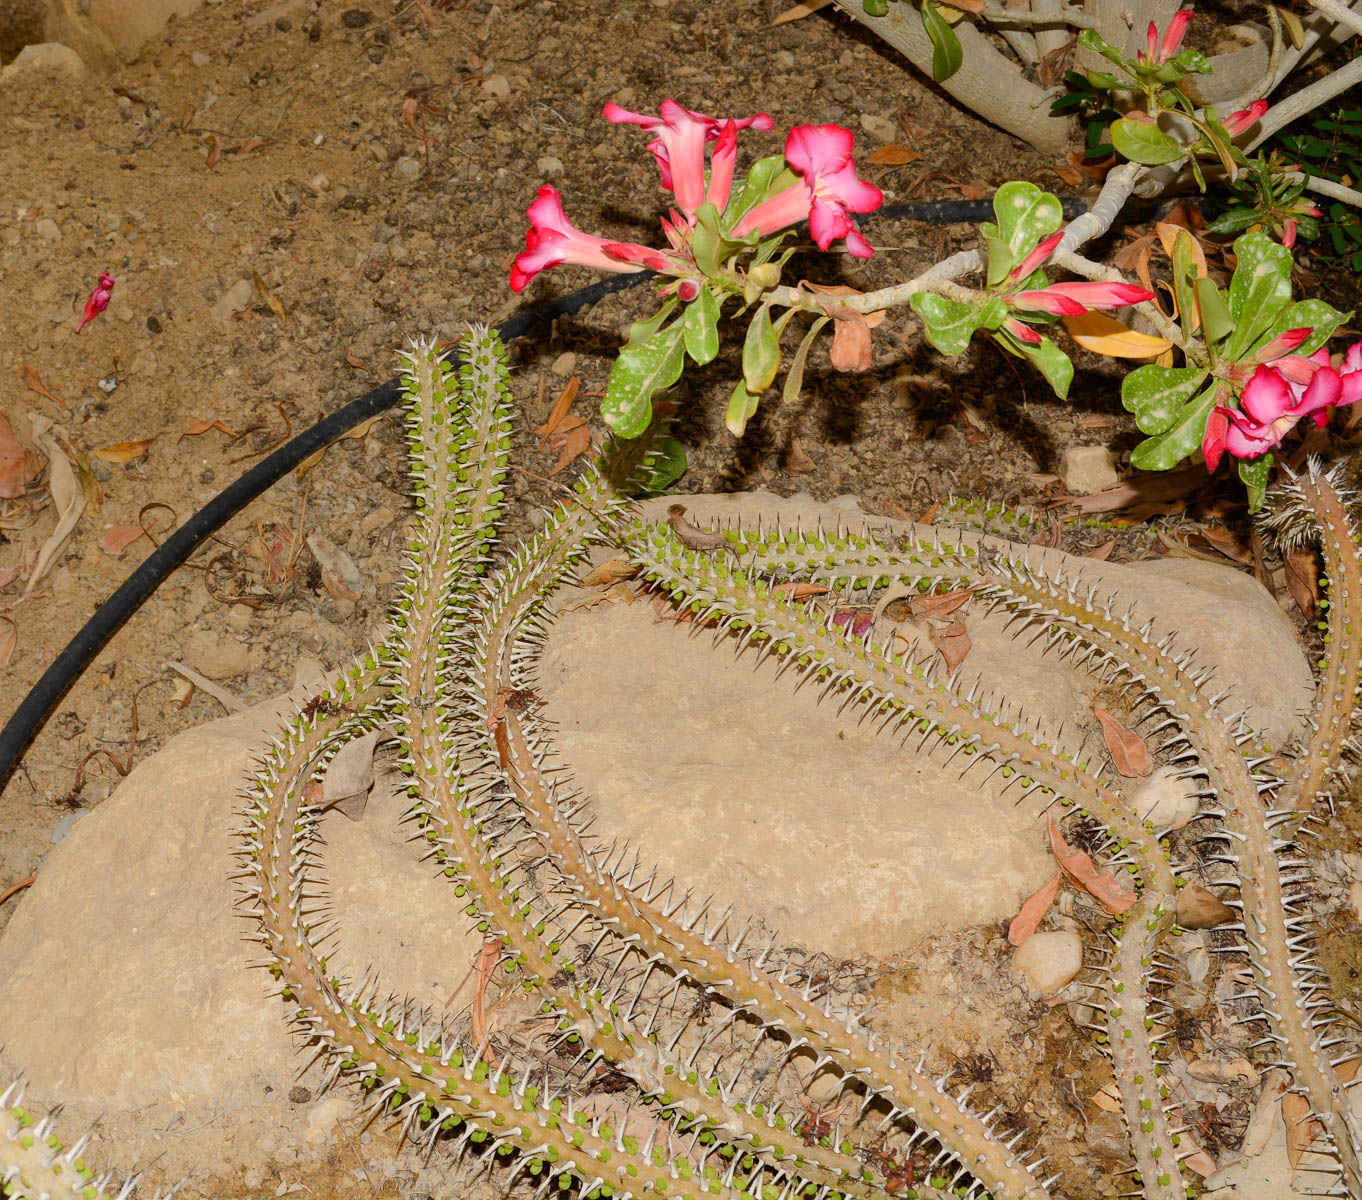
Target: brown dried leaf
column 1126, row 747
column 350, row 775
column 67, row 496
column 613, row 571
column 1108, row 1099
column 352, row 360
column 797, row 461
column 214, row 155
column 893, row 155
column 1200, row 908
column 851, row 344
column 253, row 144
column 571, row 442
column 939, row 605
column 1082, row 872
column 119, row 538
column 1302, row 579
column 9, row 639
column 558, row 414
column 953, row 644
column 276, row 306
column 198, row 427
column 620, row 593
column 798, row 590
column 1068, row 175
column 31, row 381
column 797, row 12
column 1227, row 543
column 1102, row 552
column 7, row 575
column 1033, row 911
column 14, row 463
column 340, row 576
column 121, row 452
column 1301, row 1128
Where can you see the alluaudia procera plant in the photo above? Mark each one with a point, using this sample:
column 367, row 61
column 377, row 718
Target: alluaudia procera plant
column 600, row 962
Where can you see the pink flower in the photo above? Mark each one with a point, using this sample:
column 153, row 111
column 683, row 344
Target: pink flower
column 98, row 301
column 680, row 146
column 1237, row 123
column 1284, row 343
column 827, row 192
column 1158, row 52
column 1271, row 406
column 1289, row 234
column 1213, row 440
column 721, row 160
column 552, row 239
column 1043, row 250
column 1074, row 299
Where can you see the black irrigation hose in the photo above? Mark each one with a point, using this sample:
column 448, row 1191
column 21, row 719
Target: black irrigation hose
column 81, row 650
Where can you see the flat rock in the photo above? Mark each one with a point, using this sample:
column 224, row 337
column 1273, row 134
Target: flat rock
column 124, row 990
column 43, row 56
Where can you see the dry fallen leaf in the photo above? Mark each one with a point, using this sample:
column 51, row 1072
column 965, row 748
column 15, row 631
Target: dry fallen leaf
column 340, row 576
column 1199, row 908
column 798, row 590
column 350, row 775
column 276, row 306
column 893, row 155
column 9, row 639
column 797, row 461
column 214, row 155
column 34, row 384
column 1227, row 543
column 67, row 496
column 352, row 360
column 571, row 442
column 1069, row 175
column 851, row 344
column 119, row 538
column 198, row 427
column 14, row 463
column 614, row 571
column 1102, row 552
column 953, row 644
column 939, row 605
column 1128, row 752
column 1108, row 1099
column 7, row 575
column 1084, row 874
column 558, row 414
column 1301, row 1128
column 121, row 452
column 1302, row 579
column 1033, row 911
column 805, row 8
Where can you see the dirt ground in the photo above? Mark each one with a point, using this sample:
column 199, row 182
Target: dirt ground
column 277, row 230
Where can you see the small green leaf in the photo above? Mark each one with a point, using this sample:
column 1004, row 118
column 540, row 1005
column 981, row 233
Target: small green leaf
column 1156, row 394
column 993, row 313
column 794, row 377
column 1090, row 39
column 1307, row 314
column 706, row 242
column 1104, row 79
column 700, row 325
column 639, row 371
column 949, row 324
column 1254, row 472
column 1141, row 143
column 1179, row 440
column 760, row 352
column 1259, row 290
column 1185, row 275
column 1234, row 220
column 875, row 8
column 1054, row 364
column 1216, row 322
column 1025, row 215
column 946, row 52
column 641, row 331
column 1000, row 260
column 741, row 405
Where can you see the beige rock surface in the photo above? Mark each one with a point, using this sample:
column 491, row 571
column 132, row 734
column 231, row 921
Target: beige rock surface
column 43, row 56
column 122, row 984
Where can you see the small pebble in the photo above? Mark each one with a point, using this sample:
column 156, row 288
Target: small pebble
column 1048, row 961
column 880, row 128
column 199, row 58
column 1088, row 469
column 407, row 169
column 1164, row 800
column 565, row 364
column 356, row 18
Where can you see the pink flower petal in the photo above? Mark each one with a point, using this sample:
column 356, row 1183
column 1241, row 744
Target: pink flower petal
column 1172, row 36
column 1049, row 301
column 1043, row 250
column 1102, row 295
column 1266, row 396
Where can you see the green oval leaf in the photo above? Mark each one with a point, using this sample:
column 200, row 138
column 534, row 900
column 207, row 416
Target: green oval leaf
column 1307, row 314
column 1181, row 439
column 1054, row 364
column 760, row 352
column 949, row 324
column 639, row 371
column 1259, row 290
column 1026, row 214
column 1156, row 394
column 1254, row 473
column 700, row 325
column 946, row 52
column 1143, row 143
column 741, row 405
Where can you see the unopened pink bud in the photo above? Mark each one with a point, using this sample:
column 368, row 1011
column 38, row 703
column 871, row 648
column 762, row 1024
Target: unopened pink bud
column 98, row 301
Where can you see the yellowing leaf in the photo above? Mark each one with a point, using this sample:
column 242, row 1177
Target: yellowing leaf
column 805, row 8
column 276, row 305
column 1033, row 912
column 1102, row 334
column 121, row 452
column 1128, row 752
